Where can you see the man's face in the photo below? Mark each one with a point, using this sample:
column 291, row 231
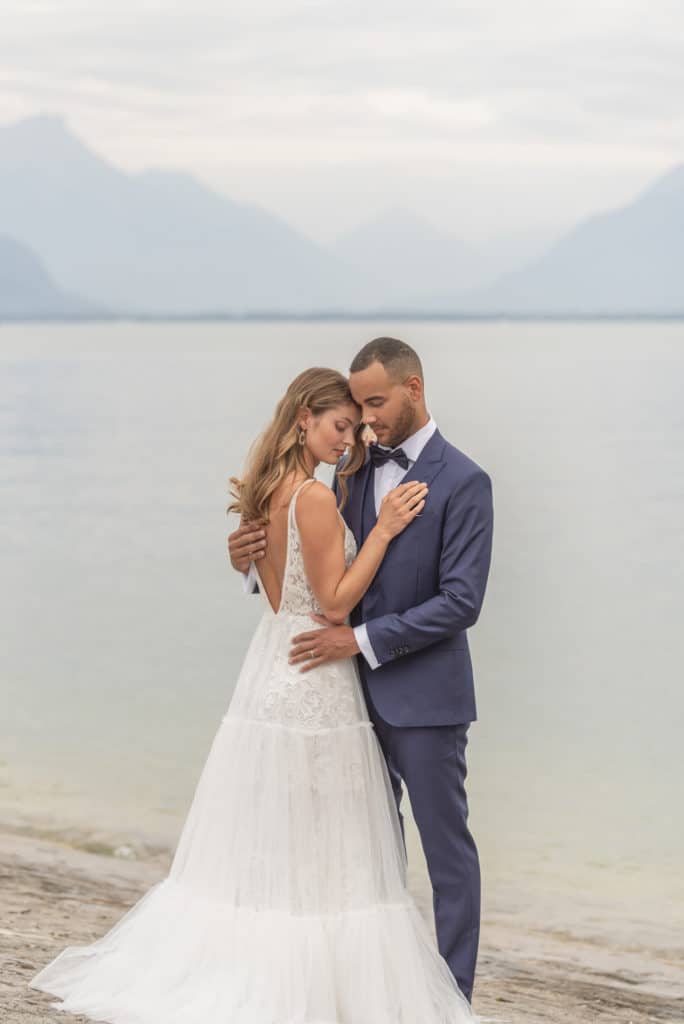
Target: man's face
column 386, row 405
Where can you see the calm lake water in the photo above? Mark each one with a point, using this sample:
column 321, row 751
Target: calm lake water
column 122, row 625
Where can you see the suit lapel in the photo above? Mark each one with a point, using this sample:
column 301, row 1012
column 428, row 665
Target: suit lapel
column 429, row 462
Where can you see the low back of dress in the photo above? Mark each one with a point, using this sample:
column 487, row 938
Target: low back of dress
column 296, row 595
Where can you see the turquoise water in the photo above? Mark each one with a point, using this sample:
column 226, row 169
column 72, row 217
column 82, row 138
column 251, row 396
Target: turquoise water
column 123, row 626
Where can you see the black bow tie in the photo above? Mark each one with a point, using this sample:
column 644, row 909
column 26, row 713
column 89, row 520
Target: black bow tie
column 379, row 456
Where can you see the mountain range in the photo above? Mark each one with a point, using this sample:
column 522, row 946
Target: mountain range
column 83, row 237
column 155, row 242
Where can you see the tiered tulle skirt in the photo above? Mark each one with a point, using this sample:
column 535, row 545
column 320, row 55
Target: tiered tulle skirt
column 286, row 901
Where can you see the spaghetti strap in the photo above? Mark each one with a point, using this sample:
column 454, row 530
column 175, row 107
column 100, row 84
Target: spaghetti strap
column 295, row 495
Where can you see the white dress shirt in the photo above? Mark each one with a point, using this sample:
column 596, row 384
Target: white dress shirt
column 387, row 476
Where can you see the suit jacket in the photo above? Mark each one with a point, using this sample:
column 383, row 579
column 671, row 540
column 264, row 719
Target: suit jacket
column 428, row 590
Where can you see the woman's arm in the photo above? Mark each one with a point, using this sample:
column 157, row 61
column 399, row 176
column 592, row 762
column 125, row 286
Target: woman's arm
column 338, row 589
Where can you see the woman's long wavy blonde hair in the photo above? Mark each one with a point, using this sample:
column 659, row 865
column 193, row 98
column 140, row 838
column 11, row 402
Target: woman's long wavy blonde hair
column 277, row 453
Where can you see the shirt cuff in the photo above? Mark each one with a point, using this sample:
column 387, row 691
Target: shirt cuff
column 249, row 580
column 365, row 646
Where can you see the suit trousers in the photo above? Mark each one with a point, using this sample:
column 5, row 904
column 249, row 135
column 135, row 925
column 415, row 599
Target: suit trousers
column 430, row 761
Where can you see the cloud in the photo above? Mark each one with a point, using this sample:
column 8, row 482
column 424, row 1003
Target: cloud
column 284, row 84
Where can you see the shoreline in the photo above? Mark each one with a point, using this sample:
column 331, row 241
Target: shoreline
column 54, row 895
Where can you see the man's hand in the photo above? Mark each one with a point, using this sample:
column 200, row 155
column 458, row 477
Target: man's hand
column 246, row 544
column 323, row 645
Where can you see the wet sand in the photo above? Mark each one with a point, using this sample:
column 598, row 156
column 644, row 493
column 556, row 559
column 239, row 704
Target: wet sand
column 53, row 895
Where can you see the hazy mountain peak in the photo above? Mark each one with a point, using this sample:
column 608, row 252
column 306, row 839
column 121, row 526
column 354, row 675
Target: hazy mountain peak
column 407, row 257
column 670, row 184
column 26, row 288
column 159, row 175
column 43, row 138
column 624, row 260
column 43, row 125
column 396, row 222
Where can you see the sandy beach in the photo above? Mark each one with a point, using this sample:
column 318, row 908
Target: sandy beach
column 53, row 895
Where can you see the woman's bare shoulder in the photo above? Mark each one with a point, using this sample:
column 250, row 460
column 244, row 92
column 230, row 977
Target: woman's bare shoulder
column 316, row 504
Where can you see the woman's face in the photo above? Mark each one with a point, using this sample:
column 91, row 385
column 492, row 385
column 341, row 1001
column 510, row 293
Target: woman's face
column 330, row 433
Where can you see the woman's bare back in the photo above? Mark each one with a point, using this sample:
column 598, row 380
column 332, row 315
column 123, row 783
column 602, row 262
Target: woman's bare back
column 273, row 564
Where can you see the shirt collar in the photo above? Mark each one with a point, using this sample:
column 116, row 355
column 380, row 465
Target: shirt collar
column 414, row 444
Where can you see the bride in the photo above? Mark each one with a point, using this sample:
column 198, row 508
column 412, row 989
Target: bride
column 286, row 900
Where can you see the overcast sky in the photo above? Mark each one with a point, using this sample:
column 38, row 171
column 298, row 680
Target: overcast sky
column 486, row 118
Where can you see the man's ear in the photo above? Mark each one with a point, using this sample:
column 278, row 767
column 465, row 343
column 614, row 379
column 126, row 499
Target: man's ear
column 415, row 387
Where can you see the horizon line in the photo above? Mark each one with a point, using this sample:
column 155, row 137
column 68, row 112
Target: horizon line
column 334, row 315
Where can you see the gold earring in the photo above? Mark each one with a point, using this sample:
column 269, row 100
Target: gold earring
column 302, row 436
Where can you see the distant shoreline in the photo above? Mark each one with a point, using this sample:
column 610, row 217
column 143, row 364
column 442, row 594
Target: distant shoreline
column 332, row 316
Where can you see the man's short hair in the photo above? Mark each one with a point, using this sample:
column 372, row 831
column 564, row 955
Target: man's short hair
column 398, row 358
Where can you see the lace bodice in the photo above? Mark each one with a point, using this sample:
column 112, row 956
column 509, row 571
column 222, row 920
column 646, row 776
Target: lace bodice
column 326, row 698
column 297, row 597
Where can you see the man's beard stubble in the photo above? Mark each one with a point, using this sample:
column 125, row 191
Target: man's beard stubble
column 405, row 425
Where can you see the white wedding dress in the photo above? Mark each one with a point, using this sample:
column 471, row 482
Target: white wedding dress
column 286, row 900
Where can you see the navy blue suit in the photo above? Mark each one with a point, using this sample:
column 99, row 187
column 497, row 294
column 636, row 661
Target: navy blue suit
column 427, row 592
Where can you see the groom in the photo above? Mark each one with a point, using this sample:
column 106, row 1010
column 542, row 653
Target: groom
column 409, row 631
